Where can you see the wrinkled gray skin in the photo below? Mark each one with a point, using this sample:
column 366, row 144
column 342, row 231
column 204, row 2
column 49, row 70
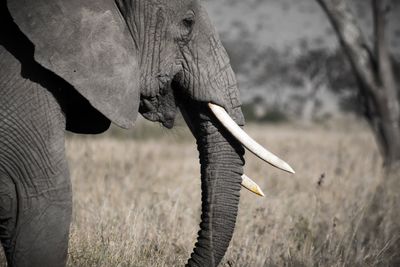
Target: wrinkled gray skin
column 178, row 61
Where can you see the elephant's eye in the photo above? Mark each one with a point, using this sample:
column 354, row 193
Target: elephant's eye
column 187, row 26
column 188, row 22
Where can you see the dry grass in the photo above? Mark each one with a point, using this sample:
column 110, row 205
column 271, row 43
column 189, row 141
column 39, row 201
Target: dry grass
column 137, row 200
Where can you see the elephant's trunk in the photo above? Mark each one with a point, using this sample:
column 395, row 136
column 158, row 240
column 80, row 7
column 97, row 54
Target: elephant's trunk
column 221, row 159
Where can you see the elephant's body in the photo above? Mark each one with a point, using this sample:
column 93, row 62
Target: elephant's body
column 35, row 191
column 78, row 65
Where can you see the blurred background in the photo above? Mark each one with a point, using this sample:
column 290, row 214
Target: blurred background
column 288, row 59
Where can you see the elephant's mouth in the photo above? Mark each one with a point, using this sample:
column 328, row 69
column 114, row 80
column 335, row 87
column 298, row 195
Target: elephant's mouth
column 159, row 104
column 150, row 109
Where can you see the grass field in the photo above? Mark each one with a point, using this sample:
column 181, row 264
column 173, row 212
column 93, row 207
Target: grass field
column 137, row 200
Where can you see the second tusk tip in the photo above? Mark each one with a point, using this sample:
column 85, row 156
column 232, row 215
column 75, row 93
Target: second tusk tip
column 251, row 186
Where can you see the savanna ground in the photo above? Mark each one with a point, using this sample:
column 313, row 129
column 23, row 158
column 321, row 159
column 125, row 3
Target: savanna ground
column 137, row 199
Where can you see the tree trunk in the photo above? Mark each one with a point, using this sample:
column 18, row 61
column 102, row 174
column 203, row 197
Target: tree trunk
column 377, row 87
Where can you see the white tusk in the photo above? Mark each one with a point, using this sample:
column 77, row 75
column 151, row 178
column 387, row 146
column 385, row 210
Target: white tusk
column 246, row 140
column 251, row 185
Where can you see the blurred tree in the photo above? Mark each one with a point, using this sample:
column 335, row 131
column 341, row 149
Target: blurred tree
column 314, row 71
column 374, row 72
column 310, row 72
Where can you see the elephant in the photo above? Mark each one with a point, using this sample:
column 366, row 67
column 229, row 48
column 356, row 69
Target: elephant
column 79, row 66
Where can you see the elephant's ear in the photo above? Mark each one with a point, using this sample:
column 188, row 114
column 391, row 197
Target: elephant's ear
column 88, row 44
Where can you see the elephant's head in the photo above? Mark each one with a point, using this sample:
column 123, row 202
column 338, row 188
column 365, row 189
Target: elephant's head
column 181, row 58
column 153, row 56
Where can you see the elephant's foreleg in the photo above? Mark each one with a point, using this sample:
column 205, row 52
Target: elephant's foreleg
column 34, row 230
column 35, row 194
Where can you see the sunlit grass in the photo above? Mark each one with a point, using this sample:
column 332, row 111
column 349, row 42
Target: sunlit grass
column 137, row 200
